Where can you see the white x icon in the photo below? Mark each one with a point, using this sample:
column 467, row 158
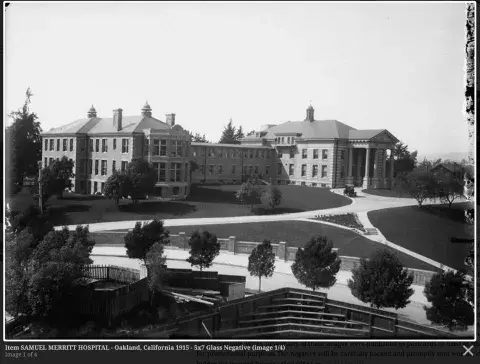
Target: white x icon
column 468, row 350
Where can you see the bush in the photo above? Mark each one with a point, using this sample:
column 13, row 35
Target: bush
column 204, row 248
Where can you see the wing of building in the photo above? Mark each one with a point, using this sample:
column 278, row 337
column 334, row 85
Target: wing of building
column 317, row 153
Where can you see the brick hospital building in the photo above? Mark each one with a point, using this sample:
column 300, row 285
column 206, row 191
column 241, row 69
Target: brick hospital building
column 309, row 152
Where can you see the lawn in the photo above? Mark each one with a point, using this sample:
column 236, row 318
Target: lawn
column 205, row 201
column 426, row 231
column 396, row 192
column 297, row 233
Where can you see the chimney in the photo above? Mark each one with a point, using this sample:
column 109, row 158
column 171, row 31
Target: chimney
column 92, row 113
column 117, row 119
column 310, row 116
column 170, row 119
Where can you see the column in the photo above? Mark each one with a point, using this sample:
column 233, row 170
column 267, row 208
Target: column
column 384, row 174
column 359, row 167
column 367, row 169
column 392, row 183
column 375, row 177
column 349, row 179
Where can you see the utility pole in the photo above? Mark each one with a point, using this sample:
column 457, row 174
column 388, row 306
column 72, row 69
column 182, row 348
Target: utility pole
column 40, row 192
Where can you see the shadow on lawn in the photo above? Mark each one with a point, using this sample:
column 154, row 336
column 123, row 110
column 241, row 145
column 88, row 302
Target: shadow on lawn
column 172, row 208
column 276, row 211
column 455, row 213
column 67, row 197
column 205, row 194
column 59, row 215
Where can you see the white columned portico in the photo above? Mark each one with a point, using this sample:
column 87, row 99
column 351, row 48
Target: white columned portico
column 366, row 179
column 359, row 168
column 392, row 183
column 375, row 179
column 350, row 167
column 384, row 170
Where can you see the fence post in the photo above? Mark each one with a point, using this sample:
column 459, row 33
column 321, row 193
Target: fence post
column 231, row 244
column 183, row 240
column 282, row 251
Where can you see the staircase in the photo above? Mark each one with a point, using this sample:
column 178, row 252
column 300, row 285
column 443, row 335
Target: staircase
column 296, row 315
column 371, row 231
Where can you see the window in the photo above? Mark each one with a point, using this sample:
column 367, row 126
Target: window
column 185, row 173
column 280, row 155
column 290, row 169
column 262, row 154
column 250, row 169
column 104, row 167
column 176, row 190
column 114, row 166
column 124, row 166
column 314, row 185
column 91, row 145
column 279, row 169
column 125, row 145
column 211, row 152
column 156, row 168
column 194, row 153
column 256, row 153
column 288, row 140
column 71, row 145
column 250, row 154
column 257, row 169
column 58, row 145
column 279, row 182
column 50, row 161
column 177, row 148
column 103, row 186
column 324, row 171
column 342, row 173
column 46, row 144
column 324, row 153
column 303, row 184
column 315, row 154
column 315, row 171
column 220, row 153
column 90, row 164
column 163, row 172
column 292, row 154
column 267, row 169
column 283, row 140
column 233, row 170
column 304, row 153
column 96, row 166
column 245, row 170
column 114, row 144
column 323, row 185
column 97, row 145
column 293, row 140
column 219, row 169
column 202, row 169
column 147, row 147
column 156, row 147
column 51, row 144
column 210, row 169
column 95, row 187
column 104, row 146
column 304, row 170
column 45, row 164
column 175, row 172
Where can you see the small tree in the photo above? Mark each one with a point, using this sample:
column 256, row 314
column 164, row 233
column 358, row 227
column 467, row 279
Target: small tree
column 140, row 180
column 116, row 186
column 382, row 281
column 261, row 262
column 316, row 265
column 448, row 293
column 247, row 194
column 140, row 239
column 272, row 196
column 156, row 267
column 421, row 186
column 204, row 248
column 449, row 189
column 62, row 171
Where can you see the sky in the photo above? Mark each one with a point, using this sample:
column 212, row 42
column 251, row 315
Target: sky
column 394, row 66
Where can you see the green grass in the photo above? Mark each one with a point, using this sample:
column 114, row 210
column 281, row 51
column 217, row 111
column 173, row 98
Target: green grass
column 297, row 233
column 426, row 231
column 204, row 202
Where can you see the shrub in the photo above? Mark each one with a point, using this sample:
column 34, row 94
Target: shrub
column 204, row 248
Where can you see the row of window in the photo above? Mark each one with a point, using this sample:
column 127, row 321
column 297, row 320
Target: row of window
column 315, row 154
column 291, row 170
column 159, row 147
column 282, row 140
column 233, row 169
column 158, row 190
column 94, row 145
column 287, row 182
column 66, row 143
column 49, row 161
column 175, row 172
column 234, row 153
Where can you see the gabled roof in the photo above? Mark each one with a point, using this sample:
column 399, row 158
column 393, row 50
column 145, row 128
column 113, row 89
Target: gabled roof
column 130, row 124
column 452, row 167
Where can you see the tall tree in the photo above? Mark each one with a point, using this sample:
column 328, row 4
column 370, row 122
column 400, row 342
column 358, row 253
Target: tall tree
column 382, row 281
column 140, row 239
column 156, row 267
column 404, row 160
column 316, row 264
column 199, row 138
column 26, row 143
column 239, row 134
column 448, row 293
column 229, row 134
column 261, row 262
column 55, row 179
column 141, row 179
column 204, row 248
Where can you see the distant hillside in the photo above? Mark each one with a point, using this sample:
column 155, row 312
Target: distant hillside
column 454, row 156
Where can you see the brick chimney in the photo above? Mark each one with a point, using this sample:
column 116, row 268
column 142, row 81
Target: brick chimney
column 170, row 119
column 117, row 119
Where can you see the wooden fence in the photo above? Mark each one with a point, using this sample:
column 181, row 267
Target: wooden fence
column 112, row 273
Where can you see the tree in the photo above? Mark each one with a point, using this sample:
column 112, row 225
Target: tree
column 421, row 186
column 317, row 264
column 449, row 189
column 33, row 220
column 156, row 266
column 26, row 143
column 448, row 294
column 404, row 160
column 247, row 194
column 141, row 179
column 382, row 281
column 272, row 196
column 251, row 132
column 204, row 248
column 62, row 171
column 197, row 137
column 426, row 165
column 229, row 135
column 261, row 262
column 239, row 134
column 117, row 186
column 141, row 238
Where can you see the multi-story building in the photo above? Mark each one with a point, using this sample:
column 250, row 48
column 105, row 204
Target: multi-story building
column 318, row 153
column 98, row 146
